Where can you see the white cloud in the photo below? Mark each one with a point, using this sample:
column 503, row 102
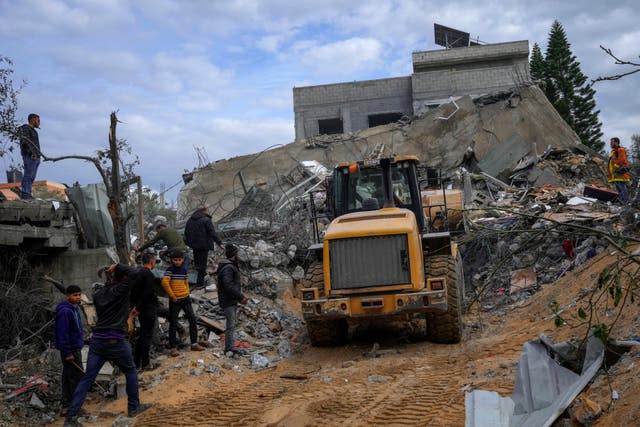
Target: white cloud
column 176, row 72
column 340, row 58
column 60, row 17
column 99, row 63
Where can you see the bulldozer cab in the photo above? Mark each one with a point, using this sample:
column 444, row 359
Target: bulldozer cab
column 392, row 181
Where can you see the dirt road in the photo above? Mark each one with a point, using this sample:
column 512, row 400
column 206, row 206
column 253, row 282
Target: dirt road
column 403, row 383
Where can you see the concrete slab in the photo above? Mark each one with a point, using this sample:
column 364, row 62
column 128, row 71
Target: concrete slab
column 486, row 408
column 504, row 156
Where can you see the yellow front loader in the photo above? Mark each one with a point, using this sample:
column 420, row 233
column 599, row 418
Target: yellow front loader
column 380, row 257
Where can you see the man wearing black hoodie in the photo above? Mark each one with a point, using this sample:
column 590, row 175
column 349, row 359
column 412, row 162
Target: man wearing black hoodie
column 201, row 236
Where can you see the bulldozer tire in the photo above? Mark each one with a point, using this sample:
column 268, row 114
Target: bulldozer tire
column 445, row 327
column 327, row 333
column 314, row 277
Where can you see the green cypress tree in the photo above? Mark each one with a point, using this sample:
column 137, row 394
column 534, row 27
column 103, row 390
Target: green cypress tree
column 635, row 154
column 568, row 91
column 537, row 66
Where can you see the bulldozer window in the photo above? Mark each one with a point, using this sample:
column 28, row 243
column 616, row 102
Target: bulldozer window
column 368, row 183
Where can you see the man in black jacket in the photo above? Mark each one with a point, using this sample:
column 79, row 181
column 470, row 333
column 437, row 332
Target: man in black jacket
column 30, row 152
column 201, row 236
column 230, row 294
column 144, row 305
column 109, row 343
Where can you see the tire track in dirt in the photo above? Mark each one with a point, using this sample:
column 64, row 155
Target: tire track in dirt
column 240, row 405
column 424, row 386
column 411, row 395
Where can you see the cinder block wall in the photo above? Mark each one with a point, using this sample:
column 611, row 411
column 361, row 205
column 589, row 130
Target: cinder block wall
column 352, row 102
column 438, row 74
column 473, row 70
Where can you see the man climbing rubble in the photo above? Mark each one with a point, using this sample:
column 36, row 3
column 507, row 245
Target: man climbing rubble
column 170, row 237
column 201, row 237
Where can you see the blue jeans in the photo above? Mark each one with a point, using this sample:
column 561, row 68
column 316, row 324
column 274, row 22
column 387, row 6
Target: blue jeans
column 30, row 169
column 118, row 352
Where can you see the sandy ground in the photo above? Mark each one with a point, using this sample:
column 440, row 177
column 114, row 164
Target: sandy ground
column 406, row 381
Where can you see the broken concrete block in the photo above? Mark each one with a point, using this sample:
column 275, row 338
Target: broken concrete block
column 263, row 246
column 522, row 280
column 36, row 402
column 298, row 273
column 258, row 361
column 585, row 411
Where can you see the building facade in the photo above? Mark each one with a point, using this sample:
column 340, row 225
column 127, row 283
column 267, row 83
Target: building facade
column 438, row 75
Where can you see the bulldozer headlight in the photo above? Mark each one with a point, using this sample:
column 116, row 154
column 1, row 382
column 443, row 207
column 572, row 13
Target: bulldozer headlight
column 307, row 295
column 437, row 285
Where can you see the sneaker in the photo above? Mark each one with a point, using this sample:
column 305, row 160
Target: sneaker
column 150, row 367
column 237, row 351
column 139, row 409
column 196, row 347
column 71, row 422
column 174, row 352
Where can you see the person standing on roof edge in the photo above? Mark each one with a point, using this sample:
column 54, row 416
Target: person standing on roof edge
column 201, row 237
column 30, row 152
column 229, row 295
column 618, row 170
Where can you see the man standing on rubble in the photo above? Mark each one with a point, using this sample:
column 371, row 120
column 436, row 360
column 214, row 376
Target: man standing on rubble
column 229, row 295
column 144, row 305
column 109, row 342
column 618, row 170
column 30, row 152
column 201, row 237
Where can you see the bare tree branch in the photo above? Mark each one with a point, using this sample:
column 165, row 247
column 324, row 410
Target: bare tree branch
column 93, row 160
column 618, row 61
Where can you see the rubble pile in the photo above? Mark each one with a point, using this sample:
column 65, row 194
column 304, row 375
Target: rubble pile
column 533, row 235
column 30, row 328
column 31, row 389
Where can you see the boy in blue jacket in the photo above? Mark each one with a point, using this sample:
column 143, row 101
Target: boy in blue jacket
column 69, row 340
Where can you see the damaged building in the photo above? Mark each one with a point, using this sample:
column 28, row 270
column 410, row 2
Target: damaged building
column 491, row 134
column 438, row 75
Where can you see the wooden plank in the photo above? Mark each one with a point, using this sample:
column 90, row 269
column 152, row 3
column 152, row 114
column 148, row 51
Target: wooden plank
column 211, row 324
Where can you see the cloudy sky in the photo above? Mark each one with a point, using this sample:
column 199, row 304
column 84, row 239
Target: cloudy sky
column 218, row 75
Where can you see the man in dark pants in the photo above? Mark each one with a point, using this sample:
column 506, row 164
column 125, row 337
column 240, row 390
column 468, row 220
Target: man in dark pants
column 201, row 236
column 229, row 295
column 69, row 340
column 30, row 152
column 144, row 303
column 109, row 342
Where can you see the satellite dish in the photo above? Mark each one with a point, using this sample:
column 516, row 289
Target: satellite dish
column 450, row 37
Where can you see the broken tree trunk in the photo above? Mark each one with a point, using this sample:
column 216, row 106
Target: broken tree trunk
column 115, row 195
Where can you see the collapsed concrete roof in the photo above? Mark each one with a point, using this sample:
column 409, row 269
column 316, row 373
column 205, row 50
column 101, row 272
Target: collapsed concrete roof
column 498, row 130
